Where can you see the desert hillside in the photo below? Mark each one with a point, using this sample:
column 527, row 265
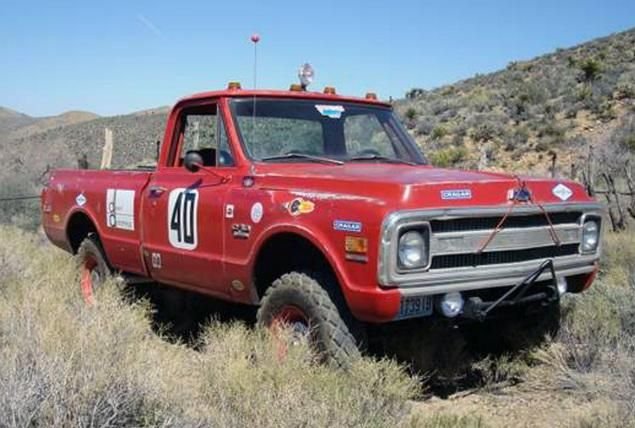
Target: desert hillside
column 573, row 108
column 562, row 103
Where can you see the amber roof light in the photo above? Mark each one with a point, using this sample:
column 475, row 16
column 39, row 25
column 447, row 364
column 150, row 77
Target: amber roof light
column 295, row 87
column 330, row 90
column 234, row 85
column 371, row 96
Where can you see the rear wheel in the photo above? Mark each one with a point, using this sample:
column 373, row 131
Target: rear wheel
column 300, row 302
column 94, row 269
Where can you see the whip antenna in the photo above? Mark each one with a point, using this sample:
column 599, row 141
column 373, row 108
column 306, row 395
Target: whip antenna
column 255, row 38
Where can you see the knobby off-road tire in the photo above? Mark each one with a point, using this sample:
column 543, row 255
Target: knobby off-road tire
column 297, row 298
column 94, row 269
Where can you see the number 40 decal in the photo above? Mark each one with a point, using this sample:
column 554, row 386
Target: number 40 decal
column 183, row 218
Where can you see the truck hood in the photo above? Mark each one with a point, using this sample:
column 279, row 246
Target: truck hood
column 415, row 186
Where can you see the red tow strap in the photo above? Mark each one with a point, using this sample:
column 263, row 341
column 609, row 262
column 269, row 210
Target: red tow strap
column 524, row 190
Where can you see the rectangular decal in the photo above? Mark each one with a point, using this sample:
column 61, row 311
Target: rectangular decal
column 347, row 226
column 456, row 194
column 330, row 111
column 120, row 209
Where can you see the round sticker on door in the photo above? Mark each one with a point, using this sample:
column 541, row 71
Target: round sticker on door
column 256, row 212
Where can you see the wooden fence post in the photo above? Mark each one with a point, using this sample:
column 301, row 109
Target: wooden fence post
column 106, row 154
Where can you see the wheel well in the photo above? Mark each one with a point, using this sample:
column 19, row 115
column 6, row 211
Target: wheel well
column 286, row 252
column 78, row 228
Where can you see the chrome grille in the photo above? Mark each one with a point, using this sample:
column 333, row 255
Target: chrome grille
column 457, row 234
column 480, row 223
column 500, row 257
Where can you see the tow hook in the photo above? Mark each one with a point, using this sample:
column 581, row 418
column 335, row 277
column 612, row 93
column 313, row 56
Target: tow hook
column 477, row 309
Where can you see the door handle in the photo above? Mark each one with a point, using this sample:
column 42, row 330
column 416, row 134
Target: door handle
column 156, row 191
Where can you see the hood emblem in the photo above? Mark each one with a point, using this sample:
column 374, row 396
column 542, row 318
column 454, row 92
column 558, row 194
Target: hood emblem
column 521, row 194
column 456, row 194
column 562, row 192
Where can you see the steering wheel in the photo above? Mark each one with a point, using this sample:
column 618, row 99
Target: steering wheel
column 368, row 153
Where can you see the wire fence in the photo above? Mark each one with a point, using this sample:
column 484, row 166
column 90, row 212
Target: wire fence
column 20, row 198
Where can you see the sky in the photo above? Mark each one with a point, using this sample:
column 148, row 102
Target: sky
column 118, row 56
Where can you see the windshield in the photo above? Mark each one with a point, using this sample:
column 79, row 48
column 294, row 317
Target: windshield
column 302, row 130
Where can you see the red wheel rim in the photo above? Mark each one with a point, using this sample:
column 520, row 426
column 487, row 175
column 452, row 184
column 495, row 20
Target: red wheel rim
column 290, row 314
column 293, row 317
column 86, row 279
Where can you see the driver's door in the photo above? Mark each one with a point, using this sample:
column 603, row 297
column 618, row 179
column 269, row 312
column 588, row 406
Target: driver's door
column 182, row 239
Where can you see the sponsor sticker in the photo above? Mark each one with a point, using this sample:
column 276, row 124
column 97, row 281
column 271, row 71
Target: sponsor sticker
column 156, row 260
column 456, row 194
column 347, row 226
column 562, row 192
column 120, row 209
column 256, row 212
column 300, row 206
column 330, row 111
column 241, row 231
column 81, row 200
column 229, row 211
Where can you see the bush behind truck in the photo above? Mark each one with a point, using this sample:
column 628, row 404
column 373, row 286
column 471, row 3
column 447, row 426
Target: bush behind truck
column 322, row 211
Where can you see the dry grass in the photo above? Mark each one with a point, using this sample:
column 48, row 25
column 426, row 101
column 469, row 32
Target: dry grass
column 64, row 364
column 594, row 355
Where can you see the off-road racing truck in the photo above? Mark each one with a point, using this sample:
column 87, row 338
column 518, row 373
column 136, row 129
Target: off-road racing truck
column 322, row 210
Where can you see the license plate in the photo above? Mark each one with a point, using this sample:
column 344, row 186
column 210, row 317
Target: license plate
column 415, row 306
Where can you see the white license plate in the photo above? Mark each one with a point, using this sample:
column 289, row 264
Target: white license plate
column 415, row 306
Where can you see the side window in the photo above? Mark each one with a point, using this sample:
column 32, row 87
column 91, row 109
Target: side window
column 198, row 133
column 365, row 135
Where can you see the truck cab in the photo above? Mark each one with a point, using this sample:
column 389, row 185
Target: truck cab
column 322, row 210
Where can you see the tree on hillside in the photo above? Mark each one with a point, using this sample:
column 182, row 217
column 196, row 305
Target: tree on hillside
column 591, row 70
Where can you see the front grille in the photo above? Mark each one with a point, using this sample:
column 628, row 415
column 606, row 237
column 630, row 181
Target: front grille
column 501, row 257
column 514, row 221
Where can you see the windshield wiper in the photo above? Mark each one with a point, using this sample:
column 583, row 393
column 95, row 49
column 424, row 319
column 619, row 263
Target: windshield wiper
column 297, row 155
column 381, row 158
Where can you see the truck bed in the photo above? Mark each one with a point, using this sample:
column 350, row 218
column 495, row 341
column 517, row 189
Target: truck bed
column 110, row 198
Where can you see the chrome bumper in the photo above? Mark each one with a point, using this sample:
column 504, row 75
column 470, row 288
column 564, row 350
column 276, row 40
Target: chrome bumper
column 430, row 281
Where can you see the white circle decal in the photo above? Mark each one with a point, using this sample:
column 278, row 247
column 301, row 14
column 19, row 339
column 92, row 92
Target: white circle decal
column 256, row 212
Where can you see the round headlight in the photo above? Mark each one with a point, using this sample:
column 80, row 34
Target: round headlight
column 412, row 250
column 590, row 235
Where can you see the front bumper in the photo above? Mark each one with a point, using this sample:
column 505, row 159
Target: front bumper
column 475, row 278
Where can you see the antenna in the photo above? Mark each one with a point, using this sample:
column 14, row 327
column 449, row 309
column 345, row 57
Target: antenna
column 255, row 38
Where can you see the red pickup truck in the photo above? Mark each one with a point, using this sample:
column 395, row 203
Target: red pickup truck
column 322, row 210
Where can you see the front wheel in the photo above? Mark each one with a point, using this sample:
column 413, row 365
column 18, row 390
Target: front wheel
column 94, row 269
column 300, row 302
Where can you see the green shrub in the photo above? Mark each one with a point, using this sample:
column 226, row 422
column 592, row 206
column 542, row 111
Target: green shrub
column 448, row 157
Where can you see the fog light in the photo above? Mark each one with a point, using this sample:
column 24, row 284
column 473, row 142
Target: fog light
column 561, row 282
column 451, row 304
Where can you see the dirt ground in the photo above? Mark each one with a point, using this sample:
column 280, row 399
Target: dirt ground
column 517, row 406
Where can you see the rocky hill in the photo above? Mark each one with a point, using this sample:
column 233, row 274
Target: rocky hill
column 519, row 118
column 560, row 107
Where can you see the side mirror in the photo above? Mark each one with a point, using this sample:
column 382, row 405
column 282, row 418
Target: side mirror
column 192, row 160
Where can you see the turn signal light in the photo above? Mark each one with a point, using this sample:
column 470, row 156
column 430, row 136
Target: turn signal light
column 295, row 87
column 330, row 90
column 233, row 85
column 371, row 96
column 355, row 244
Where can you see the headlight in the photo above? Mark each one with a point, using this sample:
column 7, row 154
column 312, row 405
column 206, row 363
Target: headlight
column 590, row 236
column 413, row 249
